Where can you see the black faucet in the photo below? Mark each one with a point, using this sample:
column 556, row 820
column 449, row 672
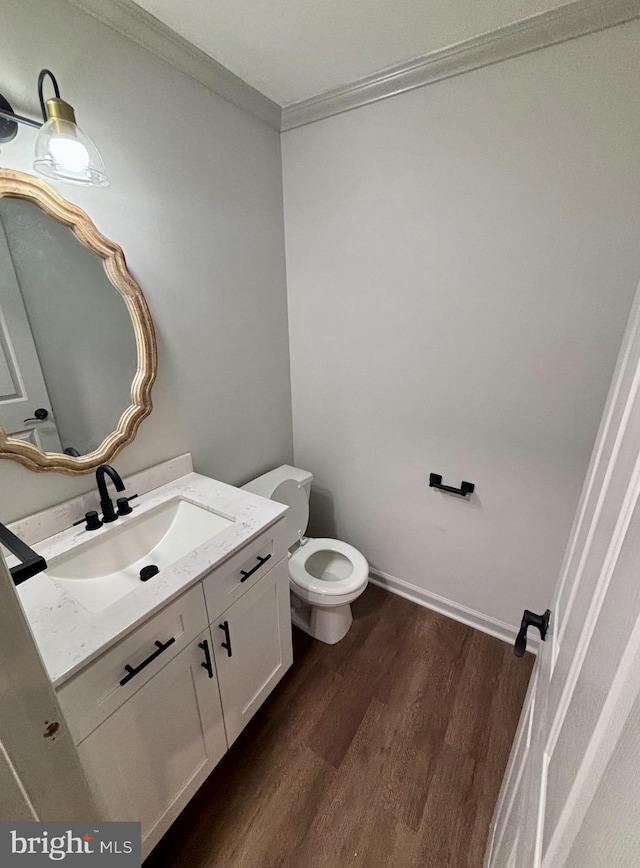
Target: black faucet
column 91, row 519
column 106, row 504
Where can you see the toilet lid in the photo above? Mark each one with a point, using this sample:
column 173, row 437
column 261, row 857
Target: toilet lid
column 293, row 495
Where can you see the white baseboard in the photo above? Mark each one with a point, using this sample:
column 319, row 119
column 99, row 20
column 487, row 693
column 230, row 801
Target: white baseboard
column 455, row 611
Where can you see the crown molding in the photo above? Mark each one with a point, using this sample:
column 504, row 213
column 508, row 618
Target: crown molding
column 146, row 30
column 549, row 28
column 566, row 22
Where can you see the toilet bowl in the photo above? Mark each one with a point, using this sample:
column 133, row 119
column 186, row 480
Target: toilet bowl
column 325, row 575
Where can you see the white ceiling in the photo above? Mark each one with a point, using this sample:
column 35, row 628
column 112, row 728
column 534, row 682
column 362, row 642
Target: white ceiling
column 293, row 49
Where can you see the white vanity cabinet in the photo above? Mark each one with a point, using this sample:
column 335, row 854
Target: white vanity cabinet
column 252, row 647
column 154, row 714
column 148, row 759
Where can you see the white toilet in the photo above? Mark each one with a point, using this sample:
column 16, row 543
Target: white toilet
column 325, row 575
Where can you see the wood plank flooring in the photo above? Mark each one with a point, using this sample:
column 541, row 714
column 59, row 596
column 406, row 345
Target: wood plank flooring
column 386, row 749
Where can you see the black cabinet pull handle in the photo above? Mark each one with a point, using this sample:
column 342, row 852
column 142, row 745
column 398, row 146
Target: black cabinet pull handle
column 530, row 619
column 39, row 415
column 246, row 573
column 207, row 658
column 435, row 481
column 227, row 643
column 133, row 671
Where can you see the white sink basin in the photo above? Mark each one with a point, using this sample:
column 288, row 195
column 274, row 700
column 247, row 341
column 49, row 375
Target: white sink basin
column 102, row 570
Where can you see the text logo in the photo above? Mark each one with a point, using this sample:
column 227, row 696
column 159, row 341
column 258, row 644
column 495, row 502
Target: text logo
column 86, row 844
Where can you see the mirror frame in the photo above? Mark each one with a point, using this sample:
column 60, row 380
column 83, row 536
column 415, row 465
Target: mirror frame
column 20, row 185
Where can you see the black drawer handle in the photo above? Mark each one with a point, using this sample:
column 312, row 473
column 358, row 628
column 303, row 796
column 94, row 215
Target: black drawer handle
column 435, row 481
column 227, row 643
column 246, row 573
column 133, row 671
column 207, row 658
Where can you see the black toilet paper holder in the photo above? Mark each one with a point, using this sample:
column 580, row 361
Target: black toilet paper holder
column 435, row 481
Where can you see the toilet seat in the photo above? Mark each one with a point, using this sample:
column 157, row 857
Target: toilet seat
column 330, row 587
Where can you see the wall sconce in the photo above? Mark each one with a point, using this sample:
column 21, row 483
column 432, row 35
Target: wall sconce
column 62, row 151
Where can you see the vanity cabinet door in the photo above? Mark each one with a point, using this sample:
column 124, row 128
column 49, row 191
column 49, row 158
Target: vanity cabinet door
column 252, row 645
column 147, row 760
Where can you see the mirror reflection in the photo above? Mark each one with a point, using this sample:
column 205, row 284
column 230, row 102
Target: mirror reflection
column 68, row 352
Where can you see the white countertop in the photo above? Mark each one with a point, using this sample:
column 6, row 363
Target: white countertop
column 69, row 636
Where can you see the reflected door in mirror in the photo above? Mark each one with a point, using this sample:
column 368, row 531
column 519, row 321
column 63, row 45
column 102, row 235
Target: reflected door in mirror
column 22, row 385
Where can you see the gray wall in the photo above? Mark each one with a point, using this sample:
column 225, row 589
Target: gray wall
column 461, row 261
column 196, row 203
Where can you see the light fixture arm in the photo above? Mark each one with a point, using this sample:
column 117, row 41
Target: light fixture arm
column 43, row 74
column 8, row 114
column 12, row 116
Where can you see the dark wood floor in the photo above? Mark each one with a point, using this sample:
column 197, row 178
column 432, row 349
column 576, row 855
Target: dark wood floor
column 385, row 750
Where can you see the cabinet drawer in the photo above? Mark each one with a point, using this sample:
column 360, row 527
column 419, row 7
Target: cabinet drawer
column 230, row 581
column 93, row 694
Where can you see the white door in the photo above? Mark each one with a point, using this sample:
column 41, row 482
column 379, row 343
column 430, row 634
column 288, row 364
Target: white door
column 23, row 391
column 252, row 646
column 586, row 679
column 40, row 774
column 147, row 760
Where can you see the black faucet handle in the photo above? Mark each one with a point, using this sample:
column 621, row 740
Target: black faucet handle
column 92, row 520
column 123, row 504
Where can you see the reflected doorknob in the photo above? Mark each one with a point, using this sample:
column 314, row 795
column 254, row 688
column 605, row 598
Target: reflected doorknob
column 530, row 619
column 39, row 415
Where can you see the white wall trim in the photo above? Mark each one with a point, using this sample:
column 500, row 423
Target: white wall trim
column 549, row 28
column 484, row 623
column 138, row 25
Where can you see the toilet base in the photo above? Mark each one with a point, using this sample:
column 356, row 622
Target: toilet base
column 328, row 624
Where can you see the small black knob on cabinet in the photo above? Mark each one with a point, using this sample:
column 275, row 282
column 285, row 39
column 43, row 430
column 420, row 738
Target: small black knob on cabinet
column 530, row 619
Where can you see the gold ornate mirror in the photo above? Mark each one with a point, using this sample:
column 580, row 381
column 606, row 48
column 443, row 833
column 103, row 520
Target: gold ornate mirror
column 77, row 346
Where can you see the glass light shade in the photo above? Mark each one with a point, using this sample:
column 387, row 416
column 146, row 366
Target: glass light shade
column 63, row 152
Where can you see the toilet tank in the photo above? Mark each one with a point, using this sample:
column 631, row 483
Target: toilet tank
column 266, row 484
